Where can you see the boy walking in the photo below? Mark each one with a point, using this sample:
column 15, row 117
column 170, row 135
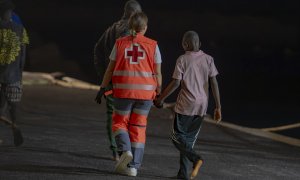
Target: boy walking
column 193, row 71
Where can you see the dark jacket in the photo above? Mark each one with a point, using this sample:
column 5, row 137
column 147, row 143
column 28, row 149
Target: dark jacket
column 105, row 45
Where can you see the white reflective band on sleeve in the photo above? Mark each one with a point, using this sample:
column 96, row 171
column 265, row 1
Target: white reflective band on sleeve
column 133, row 73
column 135, row 86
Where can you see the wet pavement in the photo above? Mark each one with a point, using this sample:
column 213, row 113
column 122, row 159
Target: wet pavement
column 65, row 138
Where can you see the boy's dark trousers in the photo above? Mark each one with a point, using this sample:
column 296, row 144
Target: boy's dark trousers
column 184, row 135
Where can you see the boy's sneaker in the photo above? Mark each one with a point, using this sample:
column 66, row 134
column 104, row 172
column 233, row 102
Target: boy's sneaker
column 196, row 168
column 121, row 165
column 131, row 171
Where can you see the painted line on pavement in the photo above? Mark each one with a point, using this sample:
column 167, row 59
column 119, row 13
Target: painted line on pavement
column 258, row 132
column 282, row 128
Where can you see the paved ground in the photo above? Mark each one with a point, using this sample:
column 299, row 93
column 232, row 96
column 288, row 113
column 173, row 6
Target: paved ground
column 65, row 138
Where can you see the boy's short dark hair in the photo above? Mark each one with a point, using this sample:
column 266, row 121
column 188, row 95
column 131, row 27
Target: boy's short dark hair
column 192, row 38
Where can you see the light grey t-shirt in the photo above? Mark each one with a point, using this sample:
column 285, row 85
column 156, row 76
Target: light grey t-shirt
column 157, row 55
column 194, row 70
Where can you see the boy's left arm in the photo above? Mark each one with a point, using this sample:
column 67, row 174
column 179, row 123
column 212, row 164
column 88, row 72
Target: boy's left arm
column 216, row 95
column 172, row 86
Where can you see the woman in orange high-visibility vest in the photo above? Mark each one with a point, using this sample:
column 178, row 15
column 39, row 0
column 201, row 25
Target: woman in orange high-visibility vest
column 135, row 71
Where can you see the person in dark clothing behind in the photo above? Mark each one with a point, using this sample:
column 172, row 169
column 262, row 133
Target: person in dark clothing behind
column 13, row 40
column 102, row 52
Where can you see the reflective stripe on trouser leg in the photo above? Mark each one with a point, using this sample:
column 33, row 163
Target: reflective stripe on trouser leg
column 120, row 124
column 137, row 131
column 122, row 140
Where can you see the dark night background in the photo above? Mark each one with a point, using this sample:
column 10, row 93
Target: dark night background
column 255, row 44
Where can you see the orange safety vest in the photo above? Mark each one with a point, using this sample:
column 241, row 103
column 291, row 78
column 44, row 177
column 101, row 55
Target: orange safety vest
column 134, row 75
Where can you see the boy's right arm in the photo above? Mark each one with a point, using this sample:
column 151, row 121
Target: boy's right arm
column 216, row 95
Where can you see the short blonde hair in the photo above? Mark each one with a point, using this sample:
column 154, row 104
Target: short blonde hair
column 138, row 21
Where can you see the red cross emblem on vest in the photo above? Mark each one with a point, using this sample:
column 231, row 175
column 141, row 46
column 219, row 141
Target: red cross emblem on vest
column 134, row 53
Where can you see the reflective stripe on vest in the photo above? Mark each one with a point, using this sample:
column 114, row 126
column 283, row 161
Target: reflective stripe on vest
column 135, row 86
column 133, row 73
